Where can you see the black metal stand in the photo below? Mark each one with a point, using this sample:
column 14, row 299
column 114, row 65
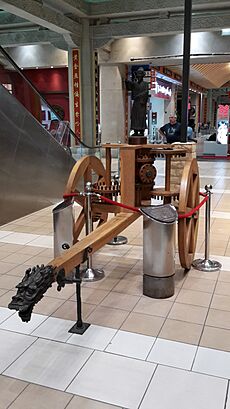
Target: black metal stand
column 80, row 327
column 186, row 68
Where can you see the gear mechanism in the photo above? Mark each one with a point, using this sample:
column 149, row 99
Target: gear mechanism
column 147, row 173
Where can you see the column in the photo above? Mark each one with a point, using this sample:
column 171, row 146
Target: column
column 87, row 85
column 201, row 107
column 209, row 107
column 112, row 102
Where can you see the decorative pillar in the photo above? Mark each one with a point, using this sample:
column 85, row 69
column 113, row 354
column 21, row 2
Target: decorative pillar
column 209, row 106
column 87, row 71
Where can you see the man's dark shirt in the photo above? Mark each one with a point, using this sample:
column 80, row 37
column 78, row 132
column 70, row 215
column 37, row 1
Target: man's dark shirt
column 172, row 132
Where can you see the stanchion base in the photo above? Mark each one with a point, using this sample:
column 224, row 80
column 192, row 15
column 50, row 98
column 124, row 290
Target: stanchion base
column 79, row 330
column 92, row 274
column 206, row 265
column 117, row 241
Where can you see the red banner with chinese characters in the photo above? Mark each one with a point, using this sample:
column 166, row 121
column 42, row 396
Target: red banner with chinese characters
column 76, row 91
column 97, row 97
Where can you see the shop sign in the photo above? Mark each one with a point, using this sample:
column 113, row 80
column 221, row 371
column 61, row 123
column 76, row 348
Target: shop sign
column 76, row 91
column 163, row 89
column 222, row 124
column 223, row 111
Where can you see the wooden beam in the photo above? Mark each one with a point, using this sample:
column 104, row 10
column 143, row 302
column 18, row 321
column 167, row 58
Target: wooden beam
column 95, row 240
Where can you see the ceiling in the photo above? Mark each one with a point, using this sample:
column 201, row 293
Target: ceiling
column 58, row 22
column 213, row 75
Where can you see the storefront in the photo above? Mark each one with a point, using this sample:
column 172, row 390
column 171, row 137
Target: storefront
column 162, row 102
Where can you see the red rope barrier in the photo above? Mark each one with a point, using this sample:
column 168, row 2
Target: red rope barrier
column 67, row 196
column 193, row 211
column 203, row 194
column 135, row 209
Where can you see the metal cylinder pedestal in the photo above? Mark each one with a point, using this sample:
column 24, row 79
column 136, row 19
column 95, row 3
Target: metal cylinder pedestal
column 90, row 273
column 206, row 264
column 159, row 250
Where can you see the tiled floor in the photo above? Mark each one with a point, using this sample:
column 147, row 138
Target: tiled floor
column 139, row 353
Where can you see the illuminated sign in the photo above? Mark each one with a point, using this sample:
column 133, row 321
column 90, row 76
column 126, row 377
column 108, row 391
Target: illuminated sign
column 162, row 89
column 222, row 124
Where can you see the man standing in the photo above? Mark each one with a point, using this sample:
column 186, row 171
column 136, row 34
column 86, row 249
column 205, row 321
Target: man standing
column 171, row 131
column 140, row 92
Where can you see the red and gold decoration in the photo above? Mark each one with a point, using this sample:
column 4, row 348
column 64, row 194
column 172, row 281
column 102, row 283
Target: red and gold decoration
column 153, row 78
column 97, row 96
column 76, row 91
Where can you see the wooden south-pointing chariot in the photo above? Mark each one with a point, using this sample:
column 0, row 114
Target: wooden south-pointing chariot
column 136, row 188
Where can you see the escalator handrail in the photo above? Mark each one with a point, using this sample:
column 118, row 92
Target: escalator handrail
column 13, row 63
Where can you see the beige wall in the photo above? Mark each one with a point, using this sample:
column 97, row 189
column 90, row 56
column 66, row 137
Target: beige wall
column 112, row 103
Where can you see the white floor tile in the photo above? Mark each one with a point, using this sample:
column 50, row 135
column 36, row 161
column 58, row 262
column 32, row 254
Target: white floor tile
column 11, row 346
column 95, row 337
column 172, row 353
column 49, row 363
column 212, row 362
column 42, row 241
column 4, row 233
column 54, row 328
column 131, row 345
column 14, row 323
column 173, row 388
column 221, row 215
column 113, row 379
column 5, row 313
column 19, row 238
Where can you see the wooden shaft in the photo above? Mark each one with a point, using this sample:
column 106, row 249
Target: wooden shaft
column 95, row 240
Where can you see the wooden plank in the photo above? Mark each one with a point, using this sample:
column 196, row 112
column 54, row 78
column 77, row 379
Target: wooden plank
column 95, row 240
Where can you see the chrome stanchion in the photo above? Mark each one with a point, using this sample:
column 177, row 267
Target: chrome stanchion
column 206, row 264
column 118, row 240
column 90, row 273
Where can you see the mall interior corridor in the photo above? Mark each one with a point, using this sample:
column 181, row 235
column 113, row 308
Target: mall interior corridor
column 139, row 352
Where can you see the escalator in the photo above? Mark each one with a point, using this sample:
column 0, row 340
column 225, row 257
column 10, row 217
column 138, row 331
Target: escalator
column 34, row 164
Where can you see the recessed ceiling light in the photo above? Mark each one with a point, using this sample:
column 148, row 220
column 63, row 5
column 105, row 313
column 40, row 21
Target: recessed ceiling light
column 51, row 66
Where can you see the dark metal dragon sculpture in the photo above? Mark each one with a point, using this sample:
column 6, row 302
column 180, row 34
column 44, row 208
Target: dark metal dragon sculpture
column 31, row 289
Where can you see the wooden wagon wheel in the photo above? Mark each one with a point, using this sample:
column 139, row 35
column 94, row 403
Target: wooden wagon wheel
column 188, row 227
column 87, row 169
